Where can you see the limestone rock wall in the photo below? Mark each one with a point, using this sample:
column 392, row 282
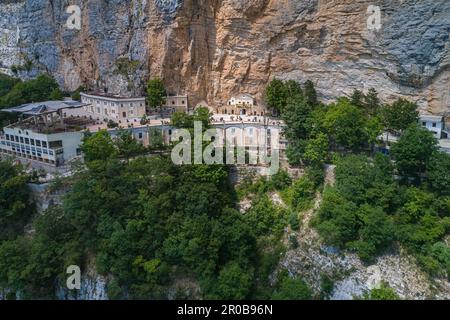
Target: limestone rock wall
column 211, row 49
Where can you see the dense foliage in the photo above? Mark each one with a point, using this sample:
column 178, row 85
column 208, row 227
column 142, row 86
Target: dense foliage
column 150, row 225
column 377, row 200
column 156, row 93
column 14, row 92
column 158, row 230
column 384, row 292
column 15, row 203
column 35, row 90
column 369, row 208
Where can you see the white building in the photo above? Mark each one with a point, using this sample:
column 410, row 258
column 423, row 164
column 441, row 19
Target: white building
column 44, row 136
column 435, row 124
column 242, row 99
column 243, row 104
column 115, row 108
column 51, row 148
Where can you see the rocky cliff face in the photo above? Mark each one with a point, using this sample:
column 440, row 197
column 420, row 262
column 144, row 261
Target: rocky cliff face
column 211, row 49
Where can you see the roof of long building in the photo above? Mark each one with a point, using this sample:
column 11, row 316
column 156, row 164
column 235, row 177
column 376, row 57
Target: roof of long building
column 46, row 107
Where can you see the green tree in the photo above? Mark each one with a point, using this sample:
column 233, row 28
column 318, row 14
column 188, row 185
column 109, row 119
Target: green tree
column 182, row 120
column 156, row 93
column 56, row 94
column 346, row 124
column 291, row 289
column 337, row 222
column 76, row 95
column 438, row 173
column 357, row 98
column 316, row 150
column 127, row 146
column 302, row 193
column 310, row 93
column 373, row 129
column 384, row 292
column 295, row 115
column 398, row 116
column 372, row 103
column 293, row 88
column 35, row 90
column 186, row 121
column 276, row 95
column 203, row 115
column 98, row 146
column 234, row 282
column 413, row 151
column 281, row 180
column 375, row 234
column 13, row 261
column 7, row 83
column 15, row 200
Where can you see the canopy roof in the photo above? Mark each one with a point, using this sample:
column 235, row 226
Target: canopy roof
column 42, row 108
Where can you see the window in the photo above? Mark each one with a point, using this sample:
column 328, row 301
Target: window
column 44, row 144
column 140, row 135
column 424, row 124
column 55, row 144
column 124, row 114
column 38, row 143
column 32, row 142
column 21, row 139
column 182, row 102
column 434, row 124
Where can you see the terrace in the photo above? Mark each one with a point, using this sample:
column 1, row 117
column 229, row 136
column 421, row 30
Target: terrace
column 48, row 117
column 52, row 126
